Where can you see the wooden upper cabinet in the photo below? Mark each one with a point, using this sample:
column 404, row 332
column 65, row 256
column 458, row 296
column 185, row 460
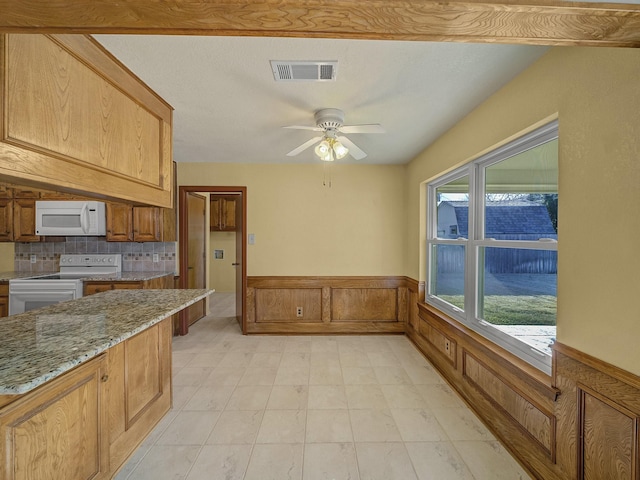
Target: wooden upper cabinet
column 77, row 119
column 119, row 222
column 222, row 213
column 126, row 223
column 147, row 224
column 6, row 220
column 24, row 220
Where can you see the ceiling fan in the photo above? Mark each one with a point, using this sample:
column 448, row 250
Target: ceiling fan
column 332, row 145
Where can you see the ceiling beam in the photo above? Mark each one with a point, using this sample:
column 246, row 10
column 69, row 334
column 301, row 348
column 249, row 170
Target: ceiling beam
column 539, row 22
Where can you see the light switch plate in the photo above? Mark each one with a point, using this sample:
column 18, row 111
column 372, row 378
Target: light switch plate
column 252, row 239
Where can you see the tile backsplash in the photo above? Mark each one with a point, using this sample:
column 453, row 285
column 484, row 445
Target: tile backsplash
column 136, row 256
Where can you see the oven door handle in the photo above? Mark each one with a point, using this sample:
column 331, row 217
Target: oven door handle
column 84, row 218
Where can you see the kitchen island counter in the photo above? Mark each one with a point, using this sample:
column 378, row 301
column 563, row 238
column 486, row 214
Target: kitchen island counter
column 40, row 345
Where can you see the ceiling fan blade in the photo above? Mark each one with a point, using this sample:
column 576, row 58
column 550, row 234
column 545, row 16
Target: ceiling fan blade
column 354, row 150
column 367, row 128
column 304, row 127
column 304, row 146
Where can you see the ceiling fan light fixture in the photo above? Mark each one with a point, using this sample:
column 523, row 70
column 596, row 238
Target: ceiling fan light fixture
column 330, row 121
column 323, row 148
column 340, row 150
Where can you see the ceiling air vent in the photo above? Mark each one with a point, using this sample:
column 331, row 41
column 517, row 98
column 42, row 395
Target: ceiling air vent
column 304, row 71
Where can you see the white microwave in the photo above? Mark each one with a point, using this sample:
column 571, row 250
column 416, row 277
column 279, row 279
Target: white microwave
column 67, row 218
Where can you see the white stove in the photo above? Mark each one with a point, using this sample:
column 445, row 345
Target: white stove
column 41, row 290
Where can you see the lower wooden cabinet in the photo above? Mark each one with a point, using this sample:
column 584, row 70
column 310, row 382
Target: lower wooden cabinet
column 86, row 423
column 60, row 431
column 4, row 299
column 91, row 287
column 96, row 287
column 139, row 393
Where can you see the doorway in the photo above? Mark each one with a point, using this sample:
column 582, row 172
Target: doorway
column 189, row 255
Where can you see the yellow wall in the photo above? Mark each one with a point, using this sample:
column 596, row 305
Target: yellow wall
column 222, row 274
column 7, row 251
column 596, row 95
column 356, row 227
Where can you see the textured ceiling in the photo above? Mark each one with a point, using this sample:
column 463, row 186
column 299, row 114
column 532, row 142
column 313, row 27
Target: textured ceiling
column 228, row 108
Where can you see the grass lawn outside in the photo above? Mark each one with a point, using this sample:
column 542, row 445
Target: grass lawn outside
column 513, row 309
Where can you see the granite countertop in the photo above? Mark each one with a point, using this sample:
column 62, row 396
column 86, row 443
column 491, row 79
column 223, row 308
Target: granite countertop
column 39, row 345
column 120, row 277
column 6, row 276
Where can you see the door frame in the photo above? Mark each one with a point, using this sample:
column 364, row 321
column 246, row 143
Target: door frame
column 184, row 237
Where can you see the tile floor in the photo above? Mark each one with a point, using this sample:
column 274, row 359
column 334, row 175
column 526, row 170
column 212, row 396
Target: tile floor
column 311, row 408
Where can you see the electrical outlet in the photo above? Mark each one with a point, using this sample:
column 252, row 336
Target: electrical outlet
column 299, row 312
column 156, row 258
column 33, row 259
column 447, row 346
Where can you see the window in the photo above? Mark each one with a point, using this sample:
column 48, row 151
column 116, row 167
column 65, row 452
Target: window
column 492, row 244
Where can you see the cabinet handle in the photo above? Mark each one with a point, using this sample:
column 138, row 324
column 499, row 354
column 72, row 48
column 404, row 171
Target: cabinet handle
column 104, row 377
column 235, row 264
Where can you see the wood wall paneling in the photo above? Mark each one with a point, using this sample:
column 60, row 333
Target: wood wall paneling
column 597, row 414
column 364, row 304
column 280, row 305
column 512, row 400
column 582, row 423
column 534, row 421
column 329, row 304
column 609, row 439
column 440, row 341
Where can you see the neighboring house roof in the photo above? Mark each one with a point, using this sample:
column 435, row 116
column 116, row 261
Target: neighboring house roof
column 508, row 218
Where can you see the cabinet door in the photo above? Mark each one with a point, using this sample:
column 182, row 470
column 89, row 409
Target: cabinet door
column 6, row 191
column 91, row 288
column 147, row 224
column 83, row 121
column 4, row 300
column 228, row 214
column 119, row 222
column 24, row 220
column 127, row 285
column 222, row 216
column 23, row 192
column 169, row 233
column 6, row 220
column 58, row 432
column 215, row 220
column 139, row 388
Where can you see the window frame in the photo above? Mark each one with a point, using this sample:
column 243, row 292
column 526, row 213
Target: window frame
column 475, row 170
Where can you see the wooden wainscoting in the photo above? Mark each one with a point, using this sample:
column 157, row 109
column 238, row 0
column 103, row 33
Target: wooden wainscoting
column 330, row 304
column 598, row 417
column 516, row 401
column 582, row 422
